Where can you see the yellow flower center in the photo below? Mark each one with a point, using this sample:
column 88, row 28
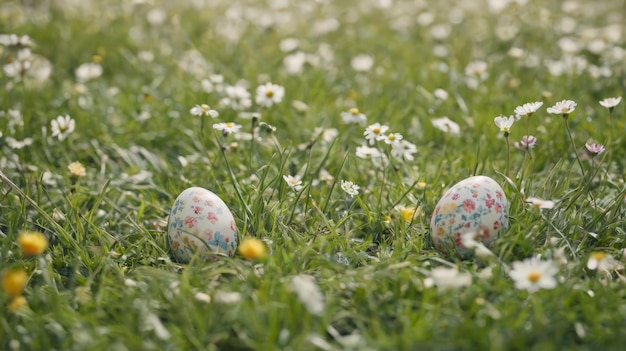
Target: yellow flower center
column 354, row 111
column 392, row 137
column 534, row 276
column 269, row 93
column 376, row 130
column 229, row 125
column 598, row 256
column 564, row 110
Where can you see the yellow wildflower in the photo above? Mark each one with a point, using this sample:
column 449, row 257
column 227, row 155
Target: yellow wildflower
column 252, row 249
column 16, row 303
column 409, row 212
column 32, row 243
column 14, row 281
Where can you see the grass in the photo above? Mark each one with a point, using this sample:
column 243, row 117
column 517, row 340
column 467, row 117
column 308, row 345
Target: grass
column 107, row 281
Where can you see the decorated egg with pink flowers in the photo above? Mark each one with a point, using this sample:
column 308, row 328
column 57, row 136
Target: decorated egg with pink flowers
column 473, row 210
column 200, row 223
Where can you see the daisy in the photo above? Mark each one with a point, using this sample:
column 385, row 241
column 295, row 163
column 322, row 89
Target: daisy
column 527, row 142
column 362, row 63
column 326, row 134
column 403, row 150
column 533, row 274
column 294, row 182
column 62, row 126
column 392, row 138
column 540, row 203
column 367, row 152
column 527, row 109
column 595, row 149
column 269, row 94
column 611, row 102
column 440, row 94
column 446, row 125
column 227, row 128
column 350, row 188
column 237, row 98
column 353, row 116
column 450, row 278
column 504, row 123
column 602, row 262
column 564, row 107
column 203, row 109
column 375, row 132
column 88, row 71
column 309, row 293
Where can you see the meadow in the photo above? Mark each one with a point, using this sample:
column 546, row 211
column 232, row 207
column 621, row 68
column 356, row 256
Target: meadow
column 330, row 129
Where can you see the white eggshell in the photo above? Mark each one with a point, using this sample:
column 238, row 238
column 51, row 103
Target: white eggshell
column 474, row 205
column 200, row 222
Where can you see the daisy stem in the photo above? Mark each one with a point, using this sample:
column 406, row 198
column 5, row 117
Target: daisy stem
column 569, row 133
column 508, row 153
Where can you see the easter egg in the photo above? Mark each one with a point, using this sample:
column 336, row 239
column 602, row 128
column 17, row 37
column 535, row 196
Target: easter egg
column 475, row 205
column 200, row 222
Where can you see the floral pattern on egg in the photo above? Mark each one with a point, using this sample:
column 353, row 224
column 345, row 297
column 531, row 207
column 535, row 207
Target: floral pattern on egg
column 200, row 221
column 474, row 205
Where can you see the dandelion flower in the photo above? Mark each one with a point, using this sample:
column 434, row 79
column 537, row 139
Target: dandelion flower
column 269, row 94
column 375, row 132
column 563, row 107
column 350, row 188
column 32, row 243
column 533, row 274
column 611, row 102
column 14, row 281
column 410, row 212
column 62, row 126
column 294, row 182
column 203, row 110
column 252, row 249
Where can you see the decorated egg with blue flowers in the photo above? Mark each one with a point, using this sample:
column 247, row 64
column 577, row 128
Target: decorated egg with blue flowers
column 200, row 223
column 474, row 208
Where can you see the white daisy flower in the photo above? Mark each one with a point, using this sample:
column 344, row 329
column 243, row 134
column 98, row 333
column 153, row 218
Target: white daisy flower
column 533, row 274
column 294, row 182
column 563, row 107
column 350, row 188
column 611, row 102
column 204, row 109
column 375, row 132
column 62, row 126
column 269, row 94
